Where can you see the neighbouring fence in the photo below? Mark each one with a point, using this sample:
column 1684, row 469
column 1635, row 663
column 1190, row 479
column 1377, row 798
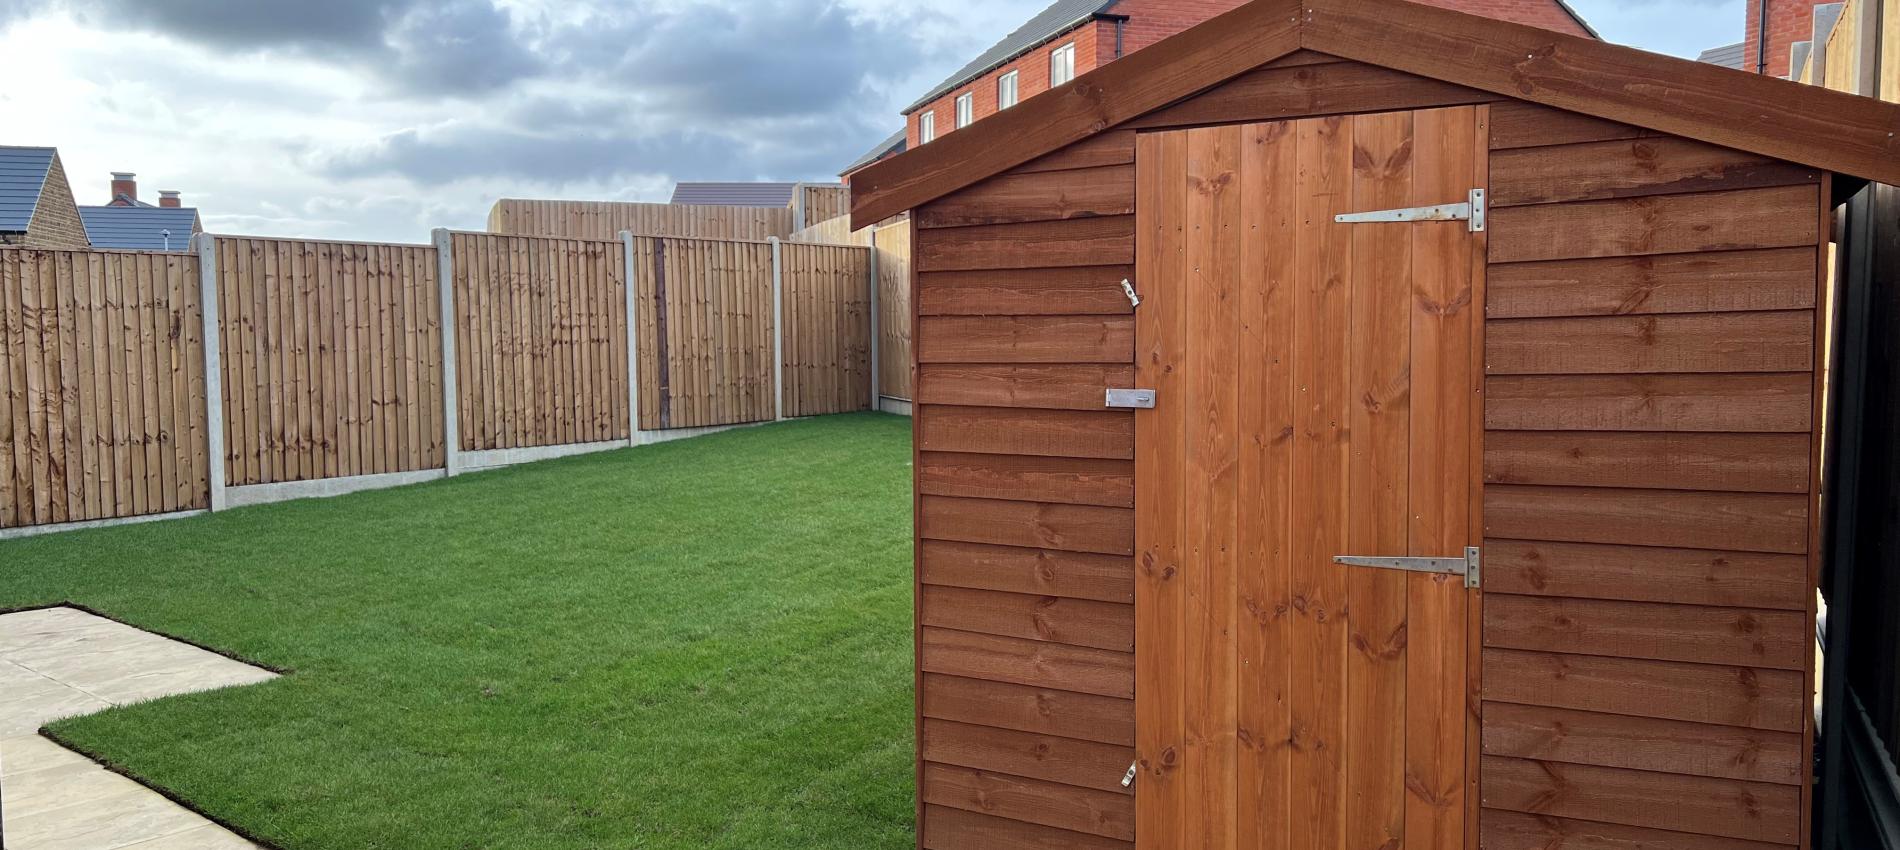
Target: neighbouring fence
column 606, row 220
column 818, row 202
column 101, row 359
column 336, row 366
column 332, row 359
column 890, row 243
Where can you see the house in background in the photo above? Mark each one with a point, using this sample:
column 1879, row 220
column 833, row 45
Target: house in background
column 126, row 223
column 1073, row 37
column 734, row 194
column 895, row 144
column 37, row 209
column 1777, row 35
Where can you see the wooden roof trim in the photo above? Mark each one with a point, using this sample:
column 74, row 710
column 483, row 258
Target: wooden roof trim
column 1791, row 121
column 1127, row 88
column 1799, row 123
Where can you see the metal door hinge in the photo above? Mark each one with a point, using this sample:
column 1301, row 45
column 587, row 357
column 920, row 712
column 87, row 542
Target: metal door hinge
column 1467, row 566
column 1472, row 210
column 1128, row 779
column 1137, row 399
column 1128, row 288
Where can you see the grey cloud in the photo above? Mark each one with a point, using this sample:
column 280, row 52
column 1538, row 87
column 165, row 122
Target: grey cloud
column 442, row 157
column 350, row 24
column 459, row 46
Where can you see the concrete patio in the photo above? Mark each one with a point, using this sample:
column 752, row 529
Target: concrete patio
column 63, row 662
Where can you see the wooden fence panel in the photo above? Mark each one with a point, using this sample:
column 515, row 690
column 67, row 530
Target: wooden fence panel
column 705, row 332
column 827, row 329
column 102, row 371
column 601, row 220
column 541, row 341
column 331, row 359
column 825, row 202
column 894, row 315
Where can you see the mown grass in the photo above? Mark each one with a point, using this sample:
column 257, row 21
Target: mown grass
column 701, row 644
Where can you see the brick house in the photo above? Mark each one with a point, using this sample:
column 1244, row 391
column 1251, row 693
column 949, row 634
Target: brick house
column 1072, row 37
column 37, row 209
column 1773, row 31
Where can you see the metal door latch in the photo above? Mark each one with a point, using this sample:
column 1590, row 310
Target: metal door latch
column 1128, row 779
column 1467, row 566
column 1137, row 399
column 1128, row 288
column 1471, row 211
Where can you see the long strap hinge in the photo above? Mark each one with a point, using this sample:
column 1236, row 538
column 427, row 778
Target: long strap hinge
column 1470, row 566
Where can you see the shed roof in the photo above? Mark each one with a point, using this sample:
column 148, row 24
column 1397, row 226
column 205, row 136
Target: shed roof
column 140, row 228
column 1817, row 127
column 22, row 177
column 735, row 194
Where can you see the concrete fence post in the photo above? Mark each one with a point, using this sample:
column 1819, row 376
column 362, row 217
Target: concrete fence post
column 798, row 207
column 207, row 248
column 778, row 329
column 877, row 342
column 445, row 282
column 633, row 340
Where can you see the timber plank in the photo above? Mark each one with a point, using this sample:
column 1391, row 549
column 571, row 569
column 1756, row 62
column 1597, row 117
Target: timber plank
column 1069, row 528
column 1108, row 240
column 1036, row 196
column 1115, row 147
column 946, row 828
column 1749, row 522
column 1779, row 403
column 1046, row 433
column 1518, row 124
column 1077, row 481
column 1026, row 708
column 1025, row 339
column 1504, row 830
column 1756, row 463
column 1080, row 290
column 1680, row 343
column 1701, row 693
column 1662, row 224
column 1030, row 800
column 1300, row 91
column 1044, row 572
column 1068, row 386
column 1697, row 804
column 1642, row 743
column 1773, row 279
column 1029, row 662
column 1646, row 574
column 1076, row 622
column 1632, row 168
column 1744, row 637
column 1084, row 764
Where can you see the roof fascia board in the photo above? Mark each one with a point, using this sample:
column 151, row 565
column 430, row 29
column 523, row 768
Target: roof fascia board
column 1134, row 85
column 1791, row 121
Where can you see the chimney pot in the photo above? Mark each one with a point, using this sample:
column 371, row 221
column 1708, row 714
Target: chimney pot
column 124, row 184
column 168, row 198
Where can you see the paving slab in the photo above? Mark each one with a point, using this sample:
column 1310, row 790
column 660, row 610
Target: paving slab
column 63, row 662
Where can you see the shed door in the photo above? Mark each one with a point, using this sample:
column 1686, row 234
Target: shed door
column 1317, row 396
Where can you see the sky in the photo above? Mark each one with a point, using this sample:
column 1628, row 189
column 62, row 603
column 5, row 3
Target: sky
column 378, row 120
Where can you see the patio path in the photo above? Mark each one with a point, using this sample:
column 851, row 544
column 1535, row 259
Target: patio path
column 63, row 662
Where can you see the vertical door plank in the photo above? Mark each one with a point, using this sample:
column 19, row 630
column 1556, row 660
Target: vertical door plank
column 1322, row 453
column 1267, row 280
column 1442, row 309
column 1160, row 797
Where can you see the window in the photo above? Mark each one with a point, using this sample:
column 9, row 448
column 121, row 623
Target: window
column 927, row 127
column 1062, row 64
column 1006, row 90
column 966, row 109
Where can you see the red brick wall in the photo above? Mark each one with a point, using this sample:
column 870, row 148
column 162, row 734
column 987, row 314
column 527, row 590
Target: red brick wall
column 1150, row 21
column 1789, row 21
column 1032, row 78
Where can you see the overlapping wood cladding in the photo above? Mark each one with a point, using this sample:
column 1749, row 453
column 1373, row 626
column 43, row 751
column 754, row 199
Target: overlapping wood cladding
column 1648, row 494
column 1651, row 356
column 1025, row 519
column 102, row 411
column 332, row 359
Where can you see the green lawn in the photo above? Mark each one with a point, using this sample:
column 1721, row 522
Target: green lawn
column 702, row 644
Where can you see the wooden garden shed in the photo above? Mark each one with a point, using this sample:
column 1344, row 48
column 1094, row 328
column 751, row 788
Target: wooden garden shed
column 1410, row 283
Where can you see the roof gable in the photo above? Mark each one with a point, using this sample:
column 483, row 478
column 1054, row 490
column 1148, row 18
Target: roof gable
column 22, row 178
column 1776, row 118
